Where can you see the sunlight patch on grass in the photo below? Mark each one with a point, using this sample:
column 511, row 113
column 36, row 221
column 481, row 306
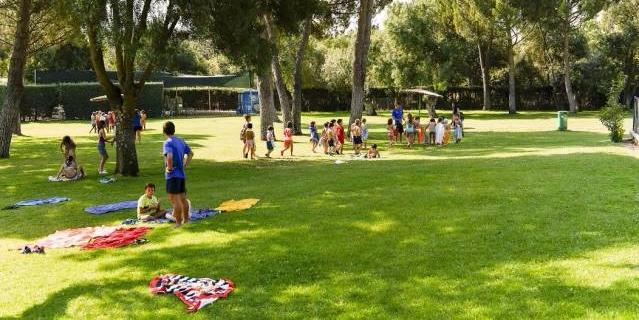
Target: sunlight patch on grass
column 380, row 226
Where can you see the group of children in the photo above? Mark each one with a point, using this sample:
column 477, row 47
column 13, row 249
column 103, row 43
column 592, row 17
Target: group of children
column 332, row 138
column 436, row 132
column 108, row 122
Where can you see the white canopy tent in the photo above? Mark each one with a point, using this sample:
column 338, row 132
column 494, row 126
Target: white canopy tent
column 431, row 96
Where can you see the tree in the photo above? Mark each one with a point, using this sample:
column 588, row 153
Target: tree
column 509, row 18
column 15, row 86
column 40, row 28
column 297, row 76
column 135, row 30
column 273, row 38
column 360, row 57
column 474, row 20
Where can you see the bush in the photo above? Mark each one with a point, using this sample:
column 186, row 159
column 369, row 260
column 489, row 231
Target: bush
column 612, row 115
column 39, row 100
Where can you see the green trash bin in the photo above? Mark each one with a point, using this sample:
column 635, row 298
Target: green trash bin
column 562, row 120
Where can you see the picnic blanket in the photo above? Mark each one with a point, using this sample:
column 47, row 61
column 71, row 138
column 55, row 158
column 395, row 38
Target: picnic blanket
column 194, row 292
column 237, row 205
column 74, row 237
column 194, row 215
column 36, row 202
column 63, row 179
column 110, row 207
column 119, row 238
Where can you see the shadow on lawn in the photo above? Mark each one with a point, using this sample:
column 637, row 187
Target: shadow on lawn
column 388, row 247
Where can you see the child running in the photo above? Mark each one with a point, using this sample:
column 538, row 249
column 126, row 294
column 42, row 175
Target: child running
column 314, row 136
column 270, row 141
column 249, row 140
column 288, row 138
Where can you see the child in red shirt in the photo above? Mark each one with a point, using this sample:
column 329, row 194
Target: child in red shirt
column 339, row 134
column 288, row 138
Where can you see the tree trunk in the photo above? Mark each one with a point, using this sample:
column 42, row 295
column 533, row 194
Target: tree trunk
column 285, row 102
column 267, row 104
column 485, row 76
column 512, row 95
column 10, row 113
column 297, row 77
column 125, row 151
column 360, row 58
column 572, row 101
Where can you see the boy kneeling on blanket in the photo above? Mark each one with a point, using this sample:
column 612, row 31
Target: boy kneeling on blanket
column 148, row 204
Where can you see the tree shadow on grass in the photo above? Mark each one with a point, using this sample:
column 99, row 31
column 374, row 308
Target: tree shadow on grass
column 408, row 250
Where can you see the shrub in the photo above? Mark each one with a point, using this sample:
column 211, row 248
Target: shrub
column 39, row 100
column 612, row 115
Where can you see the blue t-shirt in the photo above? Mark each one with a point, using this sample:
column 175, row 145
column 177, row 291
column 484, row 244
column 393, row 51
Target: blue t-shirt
column 137, row 120
column 398, row 114
column 178, row 148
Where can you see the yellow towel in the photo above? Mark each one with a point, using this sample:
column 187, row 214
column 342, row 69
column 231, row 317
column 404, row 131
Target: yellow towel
column 237, row 205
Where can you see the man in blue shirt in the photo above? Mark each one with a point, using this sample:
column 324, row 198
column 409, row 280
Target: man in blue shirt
column 398, row 118
column 177, row 156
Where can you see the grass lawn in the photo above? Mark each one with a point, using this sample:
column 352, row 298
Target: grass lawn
column 517, row 221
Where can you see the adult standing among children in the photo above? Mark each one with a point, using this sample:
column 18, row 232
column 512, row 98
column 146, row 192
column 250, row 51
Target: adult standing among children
column 398, row 117
column 177, row 156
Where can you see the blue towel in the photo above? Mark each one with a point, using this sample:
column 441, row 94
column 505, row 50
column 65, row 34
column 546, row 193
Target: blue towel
column 106, row 208
column 200, row 214
column 37, row 202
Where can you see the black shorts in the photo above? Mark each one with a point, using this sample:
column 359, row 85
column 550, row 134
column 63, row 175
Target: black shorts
column 399, row 127
column 331, row 143
column 137, row 128
column 175, row 186
column 269, row 145
column 357, row 140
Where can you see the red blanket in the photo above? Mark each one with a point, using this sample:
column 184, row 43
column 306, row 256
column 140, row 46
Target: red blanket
column 118, row 238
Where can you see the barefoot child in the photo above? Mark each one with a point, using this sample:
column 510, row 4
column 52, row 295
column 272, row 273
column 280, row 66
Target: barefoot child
column 324, row 138
column 270, row 141
column 288, row 138
column 390, row 132
column 314, row 136
column 364, row 132
column 249, row 140
column 102, row 140
column 247, row 120
column 340, row 136
column 372, row 152
column 148, row 205
column 432, row 130
column 331, row 139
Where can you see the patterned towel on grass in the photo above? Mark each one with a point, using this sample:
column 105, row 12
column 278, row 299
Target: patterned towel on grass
column 194, row 292
column 36, row 202
column 106, row 208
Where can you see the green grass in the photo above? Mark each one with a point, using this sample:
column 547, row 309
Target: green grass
column 508, row 224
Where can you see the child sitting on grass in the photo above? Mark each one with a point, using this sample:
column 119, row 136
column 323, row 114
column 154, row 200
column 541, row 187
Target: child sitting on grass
column 249, row 140
column 372, row 152
column 148, row 205
column 270, row 141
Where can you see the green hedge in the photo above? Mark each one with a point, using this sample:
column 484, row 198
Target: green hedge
column 75, row 99
column 39, row 100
